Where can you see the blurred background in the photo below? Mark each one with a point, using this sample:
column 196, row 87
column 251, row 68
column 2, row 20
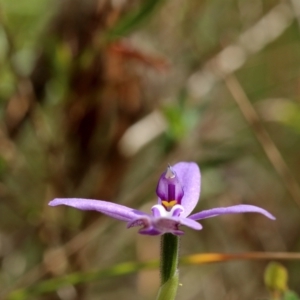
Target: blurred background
column 98, row 96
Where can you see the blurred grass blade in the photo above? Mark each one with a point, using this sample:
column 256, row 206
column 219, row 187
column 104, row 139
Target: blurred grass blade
column 133, row 19
column 54, row 284
column 196, row 259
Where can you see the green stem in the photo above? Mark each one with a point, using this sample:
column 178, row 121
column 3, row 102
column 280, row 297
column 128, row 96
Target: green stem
column 169, row 256
column 168, row 266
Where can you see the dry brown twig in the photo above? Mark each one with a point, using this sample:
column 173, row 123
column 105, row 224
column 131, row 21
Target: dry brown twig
column 262, row 135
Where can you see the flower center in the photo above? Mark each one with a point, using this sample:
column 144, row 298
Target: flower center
column 160, row 211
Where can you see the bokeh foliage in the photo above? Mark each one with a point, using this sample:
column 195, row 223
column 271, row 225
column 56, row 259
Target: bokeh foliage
column 214, row 81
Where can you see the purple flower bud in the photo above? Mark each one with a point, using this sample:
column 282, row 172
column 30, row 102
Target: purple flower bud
column 169, row 189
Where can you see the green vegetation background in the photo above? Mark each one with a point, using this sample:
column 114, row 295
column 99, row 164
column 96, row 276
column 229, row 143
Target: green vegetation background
column 97, row 97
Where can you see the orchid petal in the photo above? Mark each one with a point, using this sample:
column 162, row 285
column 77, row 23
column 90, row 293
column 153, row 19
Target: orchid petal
column 190, row 223
column 161, row 225
column 167, row 225
column 189, row 175
column 151, row 226
column 236, row 209
column 113, row 210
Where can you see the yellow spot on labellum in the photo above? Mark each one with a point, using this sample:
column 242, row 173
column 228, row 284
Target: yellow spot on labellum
column 169, row 204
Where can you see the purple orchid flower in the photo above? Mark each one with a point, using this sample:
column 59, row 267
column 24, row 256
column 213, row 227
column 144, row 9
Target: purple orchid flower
column 178, row 192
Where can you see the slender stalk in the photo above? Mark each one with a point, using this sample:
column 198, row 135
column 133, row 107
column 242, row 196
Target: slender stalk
column 169, row 267
column 169, row 256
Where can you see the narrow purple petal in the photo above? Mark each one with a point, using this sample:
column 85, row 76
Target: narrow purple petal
column 113, row 210
column 236, row 209
column 190, row 223
column 189, row 175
